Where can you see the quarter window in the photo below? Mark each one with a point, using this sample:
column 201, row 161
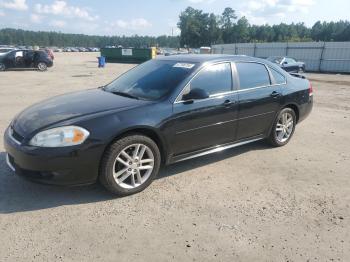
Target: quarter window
column 279, row 78
column 214, row 79
column 252, row 75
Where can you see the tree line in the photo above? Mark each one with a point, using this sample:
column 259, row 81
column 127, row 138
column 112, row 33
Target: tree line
column 197, row 28
column 20, row 37
column 204, row 29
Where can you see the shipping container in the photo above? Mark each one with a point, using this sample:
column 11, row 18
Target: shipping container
column 128, row 55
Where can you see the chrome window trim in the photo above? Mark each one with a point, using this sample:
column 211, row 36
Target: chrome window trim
column 235, row 81
column 227, row 93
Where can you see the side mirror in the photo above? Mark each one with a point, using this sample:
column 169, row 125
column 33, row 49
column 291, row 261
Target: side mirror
column 285, row 63
column 195, row 94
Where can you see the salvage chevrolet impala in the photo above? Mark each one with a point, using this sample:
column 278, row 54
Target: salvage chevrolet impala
column 163, row 111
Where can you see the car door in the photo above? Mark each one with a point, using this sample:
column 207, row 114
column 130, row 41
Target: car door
column 205, row 123
column 259, row 99
column 19, row 59
column 9, row 60
column 28, row 58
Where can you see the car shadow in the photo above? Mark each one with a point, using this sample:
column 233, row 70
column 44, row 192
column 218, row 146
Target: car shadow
column 20, row 195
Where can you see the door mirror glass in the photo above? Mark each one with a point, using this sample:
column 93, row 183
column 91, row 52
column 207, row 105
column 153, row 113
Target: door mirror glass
column 195, row 94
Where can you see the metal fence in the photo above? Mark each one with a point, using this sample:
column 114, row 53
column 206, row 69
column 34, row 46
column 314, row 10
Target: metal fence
column 318, row 56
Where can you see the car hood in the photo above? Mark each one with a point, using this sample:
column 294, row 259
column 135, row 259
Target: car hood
column 69, row 106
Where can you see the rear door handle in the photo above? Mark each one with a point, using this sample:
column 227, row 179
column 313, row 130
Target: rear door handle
column 275, row 94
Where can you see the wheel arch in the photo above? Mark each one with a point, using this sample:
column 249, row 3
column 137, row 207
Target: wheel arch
column 295, row 108
column 146, row 131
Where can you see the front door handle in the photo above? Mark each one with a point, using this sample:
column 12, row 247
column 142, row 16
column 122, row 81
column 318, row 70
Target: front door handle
column 275, row 94
column 228, row 103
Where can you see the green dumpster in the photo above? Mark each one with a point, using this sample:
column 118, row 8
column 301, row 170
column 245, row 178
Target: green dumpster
column 128, row 55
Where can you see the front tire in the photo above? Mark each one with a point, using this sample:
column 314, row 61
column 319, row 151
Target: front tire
column 130, row 164
column 283, row 127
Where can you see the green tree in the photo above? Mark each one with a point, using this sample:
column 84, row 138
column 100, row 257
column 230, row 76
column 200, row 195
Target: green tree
column 228, row 18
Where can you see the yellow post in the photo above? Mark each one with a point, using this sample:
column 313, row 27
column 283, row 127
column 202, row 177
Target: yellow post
column 154, row 52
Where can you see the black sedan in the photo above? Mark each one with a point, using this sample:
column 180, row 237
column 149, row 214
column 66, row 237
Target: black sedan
column 160, row 112
column 288, row 64
column 25, row 59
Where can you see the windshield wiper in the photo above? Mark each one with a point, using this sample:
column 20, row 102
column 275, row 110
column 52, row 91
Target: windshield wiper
column 125, row 94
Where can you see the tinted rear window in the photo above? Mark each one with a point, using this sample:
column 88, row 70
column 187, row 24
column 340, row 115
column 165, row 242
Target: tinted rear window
column 252, row 75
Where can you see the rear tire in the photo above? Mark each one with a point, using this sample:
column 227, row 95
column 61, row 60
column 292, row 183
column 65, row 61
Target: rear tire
column 42, row 66
column 2, row 67
column 124, row 172
column 283, row 128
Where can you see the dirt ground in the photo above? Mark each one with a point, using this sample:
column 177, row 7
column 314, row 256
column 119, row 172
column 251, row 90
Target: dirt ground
column 253, row 203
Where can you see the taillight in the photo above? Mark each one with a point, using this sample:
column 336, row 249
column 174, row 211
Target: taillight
column 310, row 89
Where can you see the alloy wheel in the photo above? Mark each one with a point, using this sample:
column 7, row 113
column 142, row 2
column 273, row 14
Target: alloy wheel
column 133, row 166
column 2, row 67
column 42, row 66
column 284, row 127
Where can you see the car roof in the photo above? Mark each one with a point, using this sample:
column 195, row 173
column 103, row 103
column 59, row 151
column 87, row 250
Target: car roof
column 19, row 50
column 203, row 58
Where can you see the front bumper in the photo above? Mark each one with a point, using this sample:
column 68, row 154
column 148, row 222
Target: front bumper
column 58, row 166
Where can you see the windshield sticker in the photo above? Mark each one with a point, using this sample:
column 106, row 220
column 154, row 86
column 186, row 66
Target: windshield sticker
column 184, row 65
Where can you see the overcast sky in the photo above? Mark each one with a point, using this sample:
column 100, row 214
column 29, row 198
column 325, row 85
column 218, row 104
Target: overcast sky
column 155, row 17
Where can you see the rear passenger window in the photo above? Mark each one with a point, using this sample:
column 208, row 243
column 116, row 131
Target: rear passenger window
column 252, row 75
column 279, row 78
column 214, row 79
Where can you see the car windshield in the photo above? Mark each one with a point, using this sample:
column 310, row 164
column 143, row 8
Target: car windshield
column 151, row 80
column 275, row 59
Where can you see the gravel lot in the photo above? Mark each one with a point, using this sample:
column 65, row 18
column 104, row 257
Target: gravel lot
column 253, row 203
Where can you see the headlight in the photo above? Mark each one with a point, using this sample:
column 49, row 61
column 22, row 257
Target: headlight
column 60, row 137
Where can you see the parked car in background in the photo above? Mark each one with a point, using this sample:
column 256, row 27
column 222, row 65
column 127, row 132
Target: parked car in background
column 169, row 52
column 288, row 64
column 163, row 111
column 49, row 52
column 25, row 59
column 56, row 49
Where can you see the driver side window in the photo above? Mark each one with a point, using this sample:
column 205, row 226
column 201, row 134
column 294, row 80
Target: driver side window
column 213, row 79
